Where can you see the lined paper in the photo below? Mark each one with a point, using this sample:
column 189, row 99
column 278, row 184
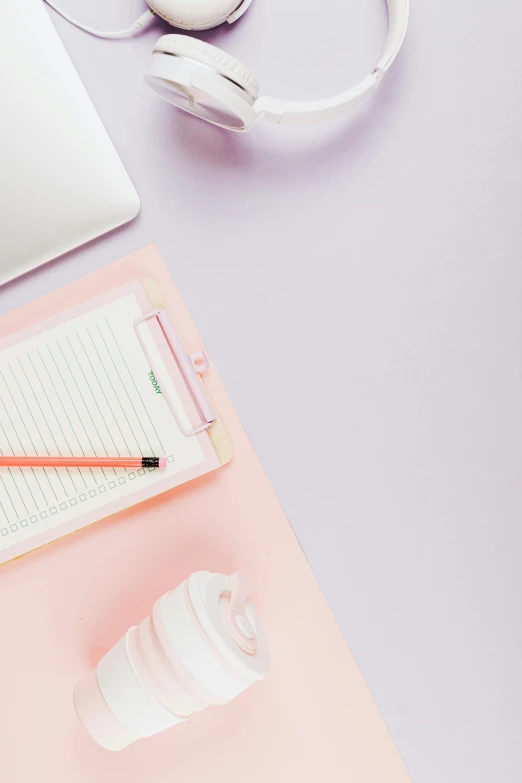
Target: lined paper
column 83, row 388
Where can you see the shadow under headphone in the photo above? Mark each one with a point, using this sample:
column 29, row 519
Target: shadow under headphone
column 209, row 83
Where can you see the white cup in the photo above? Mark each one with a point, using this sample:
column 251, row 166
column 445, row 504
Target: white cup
column 202, row 644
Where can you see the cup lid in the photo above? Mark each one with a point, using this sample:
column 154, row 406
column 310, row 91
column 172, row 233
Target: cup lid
column 230, row 622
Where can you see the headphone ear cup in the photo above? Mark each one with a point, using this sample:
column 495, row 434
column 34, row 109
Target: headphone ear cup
column 194, row 14
column 204, row 81
column 206, row 54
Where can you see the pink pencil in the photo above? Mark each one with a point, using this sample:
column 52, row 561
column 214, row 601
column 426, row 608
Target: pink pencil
column 83, row 462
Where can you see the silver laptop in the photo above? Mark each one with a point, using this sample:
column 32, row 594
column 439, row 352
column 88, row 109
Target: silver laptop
column 61, row 181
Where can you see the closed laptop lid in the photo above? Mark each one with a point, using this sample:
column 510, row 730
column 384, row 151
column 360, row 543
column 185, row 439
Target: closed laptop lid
column 61, row 180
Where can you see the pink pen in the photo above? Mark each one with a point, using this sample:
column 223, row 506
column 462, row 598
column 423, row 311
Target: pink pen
column 83, row 462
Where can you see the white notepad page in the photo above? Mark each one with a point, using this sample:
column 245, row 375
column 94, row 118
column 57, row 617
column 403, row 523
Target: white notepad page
column 83, row 388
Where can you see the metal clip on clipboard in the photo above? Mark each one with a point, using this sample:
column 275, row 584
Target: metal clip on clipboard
column 190, row 367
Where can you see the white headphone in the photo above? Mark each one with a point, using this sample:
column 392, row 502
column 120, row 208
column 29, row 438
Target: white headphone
column 209, row 83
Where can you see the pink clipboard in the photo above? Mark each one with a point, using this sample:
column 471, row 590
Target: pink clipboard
column 183, row 368
column 65, row 605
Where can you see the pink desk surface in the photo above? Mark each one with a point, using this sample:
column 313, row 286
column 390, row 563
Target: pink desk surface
column 63, row 606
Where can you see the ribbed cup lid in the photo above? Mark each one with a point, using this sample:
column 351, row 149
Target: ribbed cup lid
column 231, row 623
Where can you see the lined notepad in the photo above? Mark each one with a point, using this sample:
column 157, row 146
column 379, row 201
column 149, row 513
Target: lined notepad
column 84, row 388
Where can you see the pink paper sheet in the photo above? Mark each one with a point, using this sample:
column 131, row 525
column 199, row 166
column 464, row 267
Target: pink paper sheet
column 63, row 606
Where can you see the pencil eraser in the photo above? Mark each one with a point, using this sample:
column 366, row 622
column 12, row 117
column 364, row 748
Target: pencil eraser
column 162, row 462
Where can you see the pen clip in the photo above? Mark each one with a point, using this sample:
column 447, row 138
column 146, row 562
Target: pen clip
column 191, row 366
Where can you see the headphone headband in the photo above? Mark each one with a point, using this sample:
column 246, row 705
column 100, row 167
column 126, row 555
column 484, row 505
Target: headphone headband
column 285, row 112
